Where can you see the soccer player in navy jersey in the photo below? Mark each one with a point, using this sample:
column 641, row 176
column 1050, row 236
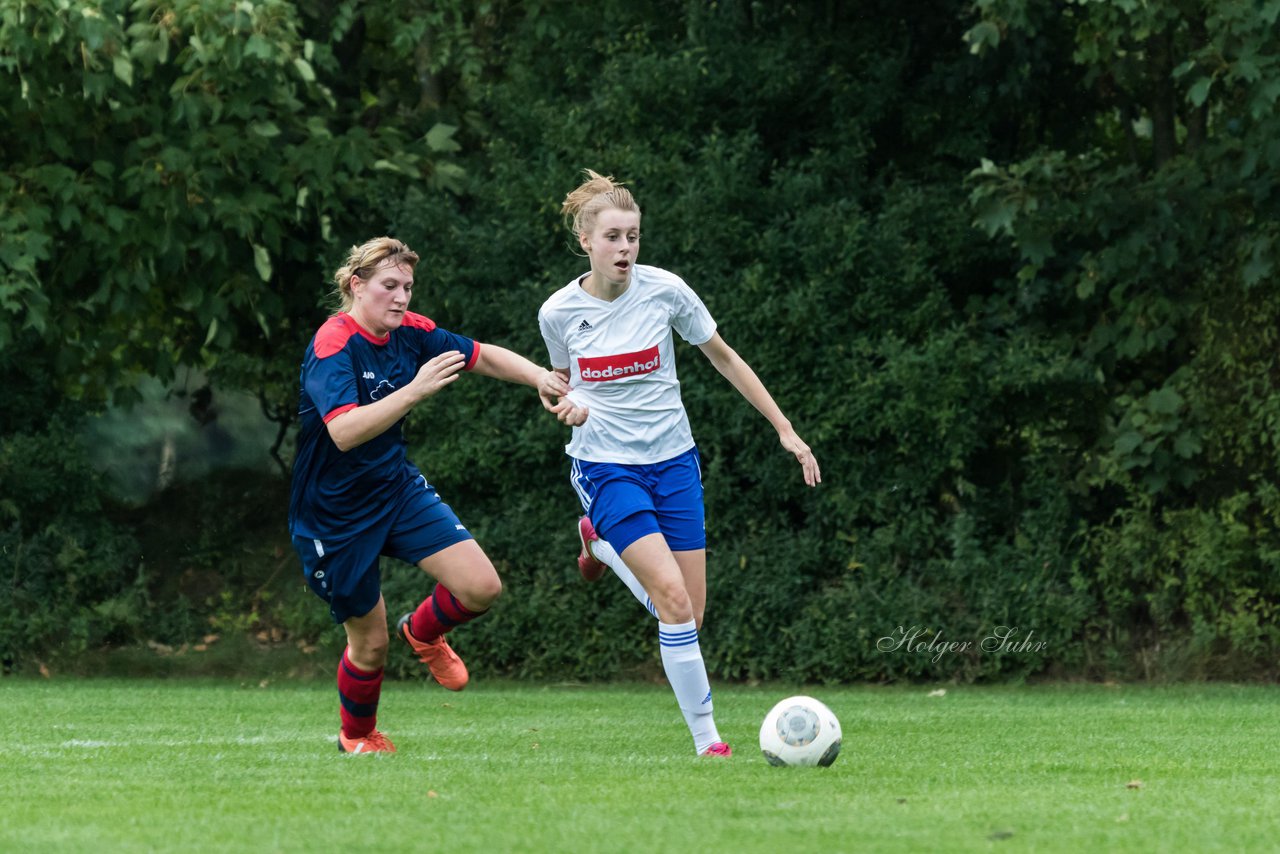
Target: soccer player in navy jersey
column 355, row 494
column 635, row 466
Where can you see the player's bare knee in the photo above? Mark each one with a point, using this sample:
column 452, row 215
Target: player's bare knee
column 490, row 590
column 672, row 602
column 480, row 593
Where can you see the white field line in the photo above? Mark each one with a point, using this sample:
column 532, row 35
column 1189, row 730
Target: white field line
column 82, row 745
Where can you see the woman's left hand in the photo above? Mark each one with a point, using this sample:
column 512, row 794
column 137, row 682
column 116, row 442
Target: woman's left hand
column 553, row 389
column 808, row 462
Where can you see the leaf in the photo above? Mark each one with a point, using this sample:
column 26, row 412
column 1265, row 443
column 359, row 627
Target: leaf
column 1166, row 401
column 1128, row 442
column 995, row 215
column 448, row 176
column 1259, row 265
column 123, row 69
column 1246, row 69
column 1200, row 91
column 981, row 36
column 305, row 71
column 213, row 332
column 258, row 46
column 440, row 138
column 1264, row 97
column 1187, row 445
column 262, row 262
column 266, row 129
column 1036, row 247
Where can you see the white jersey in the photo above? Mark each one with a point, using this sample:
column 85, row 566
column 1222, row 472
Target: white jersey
column 622, row 364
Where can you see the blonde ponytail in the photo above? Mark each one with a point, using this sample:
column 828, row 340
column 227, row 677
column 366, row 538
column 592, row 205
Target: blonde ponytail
column 597, row 193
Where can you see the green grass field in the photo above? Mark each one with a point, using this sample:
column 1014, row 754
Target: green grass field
column 154, row 765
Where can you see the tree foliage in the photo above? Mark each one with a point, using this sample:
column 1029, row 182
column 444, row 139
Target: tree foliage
column 173, row 171
column 1008, row 267
column 1152, row 241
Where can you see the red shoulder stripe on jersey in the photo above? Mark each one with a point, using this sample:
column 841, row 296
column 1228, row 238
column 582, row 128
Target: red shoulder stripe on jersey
column 334, row 335
column 475, row 356
column 341, row 409
column 418, row 321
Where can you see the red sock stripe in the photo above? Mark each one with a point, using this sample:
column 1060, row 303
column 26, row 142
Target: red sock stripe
column 438, row 613
column 358, row 693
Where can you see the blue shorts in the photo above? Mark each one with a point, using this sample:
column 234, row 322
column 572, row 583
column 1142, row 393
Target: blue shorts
column 345, row 573
column 627, row 502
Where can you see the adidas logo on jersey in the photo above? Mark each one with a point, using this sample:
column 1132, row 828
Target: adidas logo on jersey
column 584, row 325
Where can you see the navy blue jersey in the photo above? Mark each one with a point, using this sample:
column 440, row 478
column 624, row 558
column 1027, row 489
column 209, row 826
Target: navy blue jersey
column 337, row 494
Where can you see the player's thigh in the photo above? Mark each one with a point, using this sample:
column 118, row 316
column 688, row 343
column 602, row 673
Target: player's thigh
column 676, row 489
column 424, row 526
column 344, row 573
column 616, row 497
column 651, row 560
column 466, row 571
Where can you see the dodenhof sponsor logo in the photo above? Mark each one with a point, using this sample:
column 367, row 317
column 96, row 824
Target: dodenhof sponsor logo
column 598, row 369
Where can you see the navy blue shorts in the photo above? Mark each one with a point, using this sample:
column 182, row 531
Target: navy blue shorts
column 345, row 572
column 627, row 502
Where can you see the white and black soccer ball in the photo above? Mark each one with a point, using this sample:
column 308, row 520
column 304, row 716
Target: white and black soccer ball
column 800, row 731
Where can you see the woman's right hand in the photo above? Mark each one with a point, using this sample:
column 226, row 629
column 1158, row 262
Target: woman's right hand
column 437, row 373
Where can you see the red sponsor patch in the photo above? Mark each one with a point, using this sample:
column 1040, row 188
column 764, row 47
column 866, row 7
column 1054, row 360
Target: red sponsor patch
column 600, row 369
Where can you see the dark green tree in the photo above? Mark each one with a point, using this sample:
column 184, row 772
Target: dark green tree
column 1151, row 239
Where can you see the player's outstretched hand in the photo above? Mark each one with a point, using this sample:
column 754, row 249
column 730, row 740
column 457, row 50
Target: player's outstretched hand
column 808, row 462
column 567, row 412
column 551, row 385
column 438, row 373
column 553, row 389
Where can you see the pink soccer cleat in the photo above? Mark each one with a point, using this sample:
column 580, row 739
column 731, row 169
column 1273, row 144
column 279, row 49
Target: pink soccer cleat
column 590, row 568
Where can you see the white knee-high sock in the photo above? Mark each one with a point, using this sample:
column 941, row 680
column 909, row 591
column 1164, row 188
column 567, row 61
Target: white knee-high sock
column 605, row 554
column 682, row 661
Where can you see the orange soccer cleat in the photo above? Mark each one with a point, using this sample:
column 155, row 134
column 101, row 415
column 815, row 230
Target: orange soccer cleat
column 374, row 742
column 441, row 660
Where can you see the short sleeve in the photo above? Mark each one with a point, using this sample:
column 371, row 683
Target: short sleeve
column 330, row 382
column 439, row 341
column 556, row 349
column 431, row 340
column 690, row 317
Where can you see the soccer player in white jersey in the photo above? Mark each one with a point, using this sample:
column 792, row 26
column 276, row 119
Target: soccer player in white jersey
column 635, row 466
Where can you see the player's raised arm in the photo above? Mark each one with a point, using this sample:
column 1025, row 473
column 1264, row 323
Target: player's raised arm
column 739, row 374
column 357, row 426
column 553, row 386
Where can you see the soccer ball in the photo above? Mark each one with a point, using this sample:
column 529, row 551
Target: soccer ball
column 800, row 731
